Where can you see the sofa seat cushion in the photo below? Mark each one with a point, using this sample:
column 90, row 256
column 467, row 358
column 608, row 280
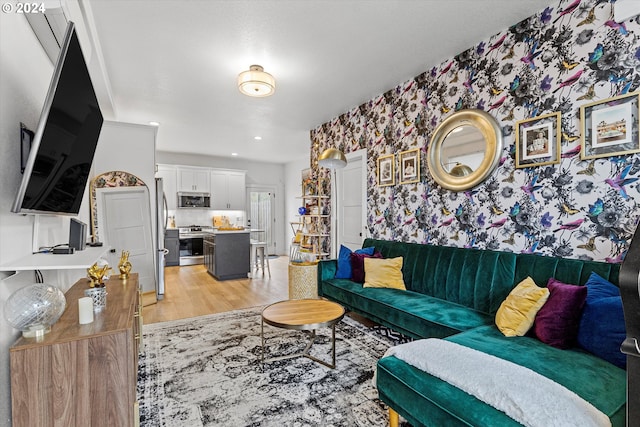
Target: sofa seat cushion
column 592, row 378
column 427, row 400
column 412, row 313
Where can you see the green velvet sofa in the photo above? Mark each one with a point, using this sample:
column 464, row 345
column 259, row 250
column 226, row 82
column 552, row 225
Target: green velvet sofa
column 454, row 293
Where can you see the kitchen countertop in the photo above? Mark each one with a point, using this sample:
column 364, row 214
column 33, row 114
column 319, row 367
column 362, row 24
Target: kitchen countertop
column 230, row 231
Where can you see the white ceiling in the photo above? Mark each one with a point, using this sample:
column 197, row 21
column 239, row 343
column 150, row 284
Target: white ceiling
column 176, row 62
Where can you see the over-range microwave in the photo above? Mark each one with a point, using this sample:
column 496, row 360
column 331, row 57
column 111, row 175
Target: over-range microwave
column 194, row 200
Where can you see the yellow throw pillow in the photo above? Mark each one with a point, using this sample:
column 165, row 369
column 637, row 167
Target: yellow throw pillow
column 517, row 313
column 383, row 273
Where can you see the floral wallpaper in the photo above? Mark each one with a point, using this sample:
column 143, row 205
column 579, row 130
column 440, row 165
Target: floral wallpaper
column 569, row 54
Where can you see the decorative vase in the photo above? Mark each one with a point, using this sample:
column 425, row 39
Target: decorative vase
column 99, row 297
column 302, row 210
column 33, row 309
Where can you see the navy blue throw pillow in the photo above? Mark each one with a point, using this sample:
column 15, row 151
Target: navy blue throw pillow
column 602, row 329
column 344, row 260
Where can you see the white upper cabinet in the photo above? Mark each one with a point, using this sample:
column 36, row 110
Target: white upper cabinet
column 228, row 190
column 193, row 180
column 169, row 184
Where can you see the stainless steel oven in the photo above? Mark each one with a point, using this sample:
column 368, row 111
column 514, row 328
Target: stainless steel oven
column 192, row 244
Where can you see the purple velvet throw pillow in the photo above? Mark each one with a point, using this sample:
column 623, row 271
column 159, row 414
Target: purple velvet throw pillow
column 558, row 320
column 357, row 265
column 344, row 260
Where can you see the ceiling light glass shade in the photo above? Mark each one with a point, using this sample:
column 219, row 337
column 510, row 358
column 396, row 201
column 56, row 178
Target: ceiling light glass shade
column 255, row 82
column 33, row 309
column 332, row 158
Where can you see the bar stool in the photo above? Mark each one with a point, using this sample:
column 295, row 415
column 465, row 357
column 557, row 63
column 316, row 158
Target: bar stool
column 259, row 255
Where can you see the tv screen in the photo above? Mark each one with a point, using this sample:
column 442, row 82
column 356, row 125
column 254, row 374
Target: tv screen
column 65, row 140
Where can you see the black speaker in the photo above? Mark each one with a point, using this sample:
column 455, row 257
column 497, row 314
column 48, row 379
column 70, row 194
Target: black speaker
column 77, row 234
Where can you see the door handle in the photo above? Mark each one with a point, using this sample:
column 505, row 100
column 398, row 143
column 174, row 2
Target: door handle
column 113, row 251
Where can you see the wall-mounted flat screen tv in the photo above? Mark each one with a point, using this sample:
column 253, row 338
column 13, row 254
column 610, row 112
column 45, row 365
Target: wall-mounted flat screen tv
column 64, row 143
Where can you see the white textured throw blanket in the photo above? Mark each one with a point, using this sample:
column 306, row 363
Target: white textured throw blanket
column 524, row 395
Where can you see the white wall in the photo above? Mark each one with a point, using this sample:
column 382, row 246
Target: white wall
column 130, row 148
column 24, row 80
column 127, row 147
column 258, row 174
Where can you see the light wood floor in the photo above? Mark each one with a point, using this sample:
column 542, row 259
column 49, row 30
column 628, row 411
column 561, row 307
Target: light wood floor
column 190, row 291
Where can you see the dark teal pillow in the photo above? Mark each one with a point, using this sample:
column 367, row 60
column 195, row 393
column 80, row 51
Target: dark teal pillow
column 344, row 260
column 602, row 329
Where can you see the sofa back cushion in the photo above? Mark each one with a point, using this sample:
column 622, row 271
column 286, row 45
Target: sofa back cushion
column 482, row 279
column 574, row 271
column 477, row 279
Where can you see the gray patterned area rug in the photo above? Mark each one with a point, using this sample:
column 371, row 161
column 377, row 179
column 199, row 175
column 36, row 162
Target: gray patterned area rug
column 206, row 371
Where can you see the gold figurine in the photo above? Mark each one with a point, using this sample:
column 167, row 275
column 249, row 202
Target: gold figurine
column 124, row 265
column 96, row 274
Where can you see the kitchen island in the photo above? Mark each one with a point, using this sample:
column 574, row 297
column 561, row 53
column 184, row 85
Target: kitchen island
column 227, row 254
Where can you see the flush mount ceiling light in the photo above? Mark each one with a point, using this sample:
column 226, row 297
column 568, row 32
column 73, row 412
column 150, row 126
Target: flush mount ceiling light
column 255, row 82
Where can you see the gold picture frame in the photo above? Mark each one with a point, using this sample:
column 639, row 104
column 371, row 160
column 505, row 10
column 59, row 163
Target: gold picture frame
column 386, row 170
column 537, row 141
column 609, row 127
column 409, row 166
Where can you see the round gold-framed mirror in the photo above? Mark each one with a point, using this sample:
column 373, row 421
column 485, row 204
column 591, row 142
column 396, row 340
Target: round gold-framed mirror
column 465, row 149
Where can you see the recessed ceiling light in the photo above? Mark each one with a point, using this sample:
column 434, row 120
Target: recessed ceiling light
column 257, row 138
column 154, row 123
column 234, row 154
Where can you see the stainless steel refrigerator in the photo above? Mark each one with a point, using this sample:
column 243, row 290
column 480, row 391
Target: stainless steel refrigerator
column 161, row 227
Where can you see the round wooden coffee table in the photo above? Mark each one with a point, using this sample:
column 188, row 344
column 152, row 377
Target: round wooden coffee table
column 303, row 315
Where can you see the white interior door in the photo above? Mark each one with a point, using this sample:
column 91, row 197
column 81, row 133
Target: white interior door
column 124, row 221
column 351, row 196
column 261, row 215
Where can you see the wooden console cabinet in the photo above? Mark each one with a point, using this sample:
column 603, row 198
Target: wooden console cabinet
column 82, row 375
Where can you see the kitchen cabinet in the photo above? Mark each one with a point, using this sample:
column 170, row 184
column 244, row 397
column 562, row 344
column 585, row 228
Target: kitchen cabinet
column 81, row 375
column 208, row 246
column 228, row 190
column 172, row 244
column 169, row 184
column 193, row 180
column 227, row 254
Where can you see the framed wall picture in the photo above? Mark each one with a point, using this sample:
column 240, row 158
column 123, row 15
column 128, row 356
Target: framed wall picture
column 537, row 141
column 386, row 170
column 409, row 164
column 610, row 127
